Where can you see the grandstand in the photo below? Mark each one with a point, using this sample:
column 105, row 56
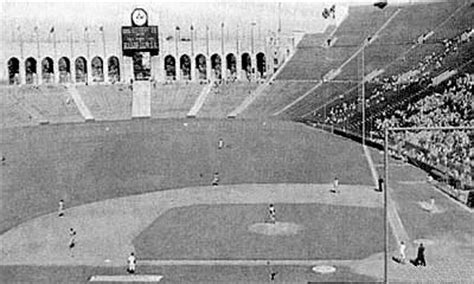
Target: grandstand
column 279, row 129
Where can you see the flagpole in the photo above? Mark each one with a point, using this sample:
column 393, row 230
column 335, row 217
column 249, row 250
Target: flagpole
column 192, row 41
column 54, row 42
column 207, row 40
column 37, row 43
column 21, row 41
column 222, row 39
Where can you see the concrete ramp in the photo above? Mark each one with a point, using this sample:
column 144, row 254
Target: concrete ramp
column 141, row 100
column 81, row 106
column 199, row 101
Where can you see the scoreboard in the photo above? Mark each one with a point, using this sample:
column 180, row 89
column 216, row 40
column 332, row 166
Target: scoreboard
column 136, row 39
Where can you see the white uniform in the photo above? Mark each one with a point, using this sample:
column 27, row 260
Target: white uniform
column 335, row 184
column 132, row 263
column 220, row 144
column 61, row 209
column 402, row 252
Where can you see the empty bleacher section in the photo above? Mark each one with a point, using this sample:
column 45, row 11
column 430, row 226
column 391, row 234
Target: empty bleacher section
column 225, row 97
column 275, row 97
column 108, row 102
column 313, row 60
column 12, row 113
column 173, row 100
column 45, row 104
column 404, row 31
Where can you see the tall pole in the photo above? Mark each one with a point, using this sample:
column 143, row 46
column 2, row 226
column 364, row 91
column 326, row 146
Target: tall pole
column 192, row 41
column 21, row 41
column 177, row 43
column 71, row 43
column 251, row 36
column 207, row 40
column 37, row 43
column 101, row 29
column 363, row 95
column 279, row 17
column 222, row 39
column 385, row 196
column 237, row 39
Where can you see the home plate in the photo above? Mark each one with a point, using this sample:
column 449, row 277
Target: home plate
column 323, row 269
column 125, row 278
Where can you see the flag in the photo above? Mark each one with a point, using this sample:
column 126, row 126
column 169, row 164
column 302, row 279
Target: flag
column 381, row 4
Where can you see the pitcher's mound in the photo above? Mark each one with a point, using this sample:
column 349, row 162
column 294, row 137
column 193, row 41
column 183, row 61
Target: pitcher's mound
column 431, row 209
column 277, row 229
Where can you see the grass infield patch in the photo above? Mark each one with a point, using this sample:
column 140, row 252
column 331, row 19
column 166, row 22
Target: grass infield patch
column 222, row 232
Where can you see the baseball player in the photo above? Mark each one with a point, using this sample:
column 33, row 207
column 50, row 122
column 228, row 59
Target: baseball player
column 72, row 241
column 272, row 213
column 132, row 263
column 61, row 208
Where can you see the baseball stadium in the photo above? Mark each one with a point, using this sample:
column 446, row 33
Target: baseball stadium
column 237, row 142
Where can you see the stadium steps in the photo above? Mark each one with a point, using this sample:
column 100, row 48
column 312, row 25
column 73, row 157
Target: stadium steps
column 199, row 101
column 81, row 106
column 226, row 97
column 141, row 99
column 174, row 100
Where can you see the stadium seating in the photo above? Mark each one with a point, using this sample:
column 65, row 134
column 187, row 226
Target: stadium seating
column 108, row 102
column 226, row 97
column 13, row 115
column 173, row 100
column 277, row 96
column 47, row 103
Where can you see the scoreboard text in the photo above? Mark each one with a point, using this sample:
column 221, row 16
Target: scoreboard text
column 140, row 39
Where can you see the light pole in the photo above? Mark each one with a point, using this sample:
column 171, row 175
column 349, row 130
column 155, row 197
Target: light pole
column 363, row 93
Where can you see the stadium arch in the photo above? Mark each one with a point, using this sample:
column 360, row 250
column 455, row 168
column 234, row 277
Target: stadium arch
column 201, row 71
column 81, row 69
column 47, row 70
column 231, row 65
column 64, row 67
column 113, row 69
column 31, row 71
column 261, row 64
column 97, row 65
column 185, row 67
column 170, row 67
column 13, row 71
column 246, row 64
column 216, row 66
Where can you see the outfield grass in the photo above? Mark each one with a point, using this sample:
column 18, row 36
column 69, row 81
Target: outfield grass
column 180, row 274
column 222, row 232
column 82, row 163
